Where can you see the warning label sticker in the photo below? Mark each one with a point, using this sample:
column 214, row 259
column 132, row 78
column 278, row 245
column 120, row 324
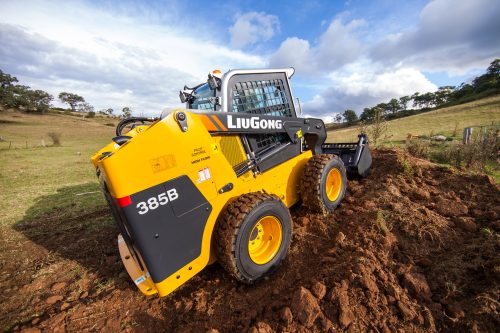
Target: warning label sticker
column 203, row 175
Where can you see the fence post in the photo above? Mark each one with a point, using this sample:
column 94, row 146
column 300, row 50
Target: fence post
column 467, row 135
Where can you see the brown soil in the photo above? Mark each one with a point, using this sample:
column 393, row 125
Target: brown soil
column 414, row 247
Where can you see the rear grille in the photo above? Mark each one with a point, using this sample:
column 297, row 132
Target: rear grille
column 232, row 149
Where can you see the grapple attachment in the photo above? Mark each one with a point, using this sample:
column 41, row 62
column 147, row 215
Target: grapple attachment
column 356, row 156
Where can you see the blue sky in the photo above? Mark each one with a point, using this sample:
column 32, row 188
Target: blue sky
column 347, row 54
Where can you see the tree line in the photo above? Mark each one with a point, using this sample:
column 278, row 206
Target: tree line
column 18, row 96
column 482, row 86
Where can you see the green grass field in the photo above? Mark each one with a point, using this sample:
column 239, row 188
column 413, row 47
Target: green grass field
column 29, row 171
column 442, row 121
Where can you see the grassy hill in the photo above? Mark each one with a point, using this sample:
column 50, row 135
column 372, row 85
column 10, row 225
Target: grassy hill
column 442, row 121
column 28, row 170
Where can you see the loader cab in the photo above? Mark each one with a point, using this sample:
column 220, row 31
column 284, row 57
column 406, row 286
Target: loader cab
column 263, row 92
column 201, row 98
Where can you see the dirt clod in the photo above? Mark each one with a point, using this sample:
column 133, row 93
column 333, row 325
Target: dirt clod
column 286, row 315
column 339, row 295
column 56, row 287
column 339, row 239
column 305, row 307
column 319, row 290
column 466, row 224
column 450, row 208
column 261, row 327
column 54, row 299
column 417, row 286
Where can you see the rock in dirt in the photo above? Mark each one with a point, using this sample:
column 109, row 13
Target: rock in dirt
column 84, row 284
column 54, row 299
column 65, row 306
column 305, row 307
column 438, row 138
column 454, row 311
column 451, row 208
column 417, row 286
column 286, row 315
column 369, row 284
column 319, row 290
column 339, row 239
column 339, row 295
column 58, row 286
column 213, row 330
column 419, row 194
column 406, row 312
column 429, row 320
column 31, row 330
column 466, row 224
column 261, row 327
column 304, row 221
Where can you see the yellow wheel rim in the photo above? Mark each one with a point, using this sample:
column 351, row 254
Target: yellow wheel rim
column 333, row 184
column 265, row 240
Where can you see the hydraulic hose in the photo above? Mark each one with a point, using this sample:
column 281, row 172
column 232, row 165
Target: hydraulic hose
column 124, row 122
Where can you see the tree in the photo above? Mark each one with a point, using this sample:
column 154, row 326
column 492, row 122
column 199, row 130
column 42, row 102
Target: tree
column 403, row 102
column 39, row 100
column 350, row 116
column 494, row 68
column 393, row 106
column 6, row 80
column 85, row 107
column 443, row 94
column 110, row 111
column 127, row 112
column 367, row 114
column 71, row 99
column 337, row 118
column 383, row 107
column 7, row 83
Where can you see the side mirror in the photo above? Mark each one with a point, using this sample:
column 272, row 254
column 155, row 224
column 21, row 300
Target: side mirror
column 213, row 82
column 182, row 96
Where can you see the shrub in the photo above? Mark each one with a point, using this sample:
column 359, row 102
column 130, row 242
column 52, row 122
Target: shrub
column 55, row 137
column 407, row 168
column 91, row 114
column 417, row 148
column 378, row 129
column 455, row 130
column 482, row 148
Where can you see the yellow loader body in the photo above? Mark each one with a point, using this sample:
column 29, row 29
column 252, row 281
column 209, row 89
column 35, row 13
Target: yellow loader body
column 163, row 152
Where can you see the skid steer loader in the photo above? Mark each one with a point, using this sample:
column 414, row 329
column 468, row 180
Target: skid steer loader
column 214, row 181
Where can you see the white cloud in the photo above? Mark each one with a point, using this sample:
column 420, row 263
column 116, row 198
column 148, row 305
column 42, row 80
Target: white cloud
column 253, row 28
column 360, row 86
column 452, row 36
column 294, row 52
column 337, row 46
column 111, row 60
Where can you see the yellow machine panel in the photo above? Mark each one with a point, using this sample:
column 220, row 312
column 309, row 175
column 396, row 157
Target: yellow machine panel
column 149, row 159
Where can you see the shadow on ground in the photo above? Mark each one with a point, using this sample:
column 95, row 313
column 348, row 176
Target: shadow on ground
column 76, row 224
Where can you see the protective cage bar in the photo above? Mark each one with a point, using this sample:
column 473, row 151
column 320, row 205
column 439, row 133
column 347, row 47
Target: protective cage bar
column 265, row 97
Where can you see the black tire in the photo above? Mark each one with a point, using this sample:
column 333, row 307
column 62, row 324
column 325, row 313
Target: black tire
column 233, row 234
column 313, row 183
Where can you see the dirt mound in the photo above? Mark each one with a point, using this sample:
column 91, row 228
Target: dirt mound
column 414, row 247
